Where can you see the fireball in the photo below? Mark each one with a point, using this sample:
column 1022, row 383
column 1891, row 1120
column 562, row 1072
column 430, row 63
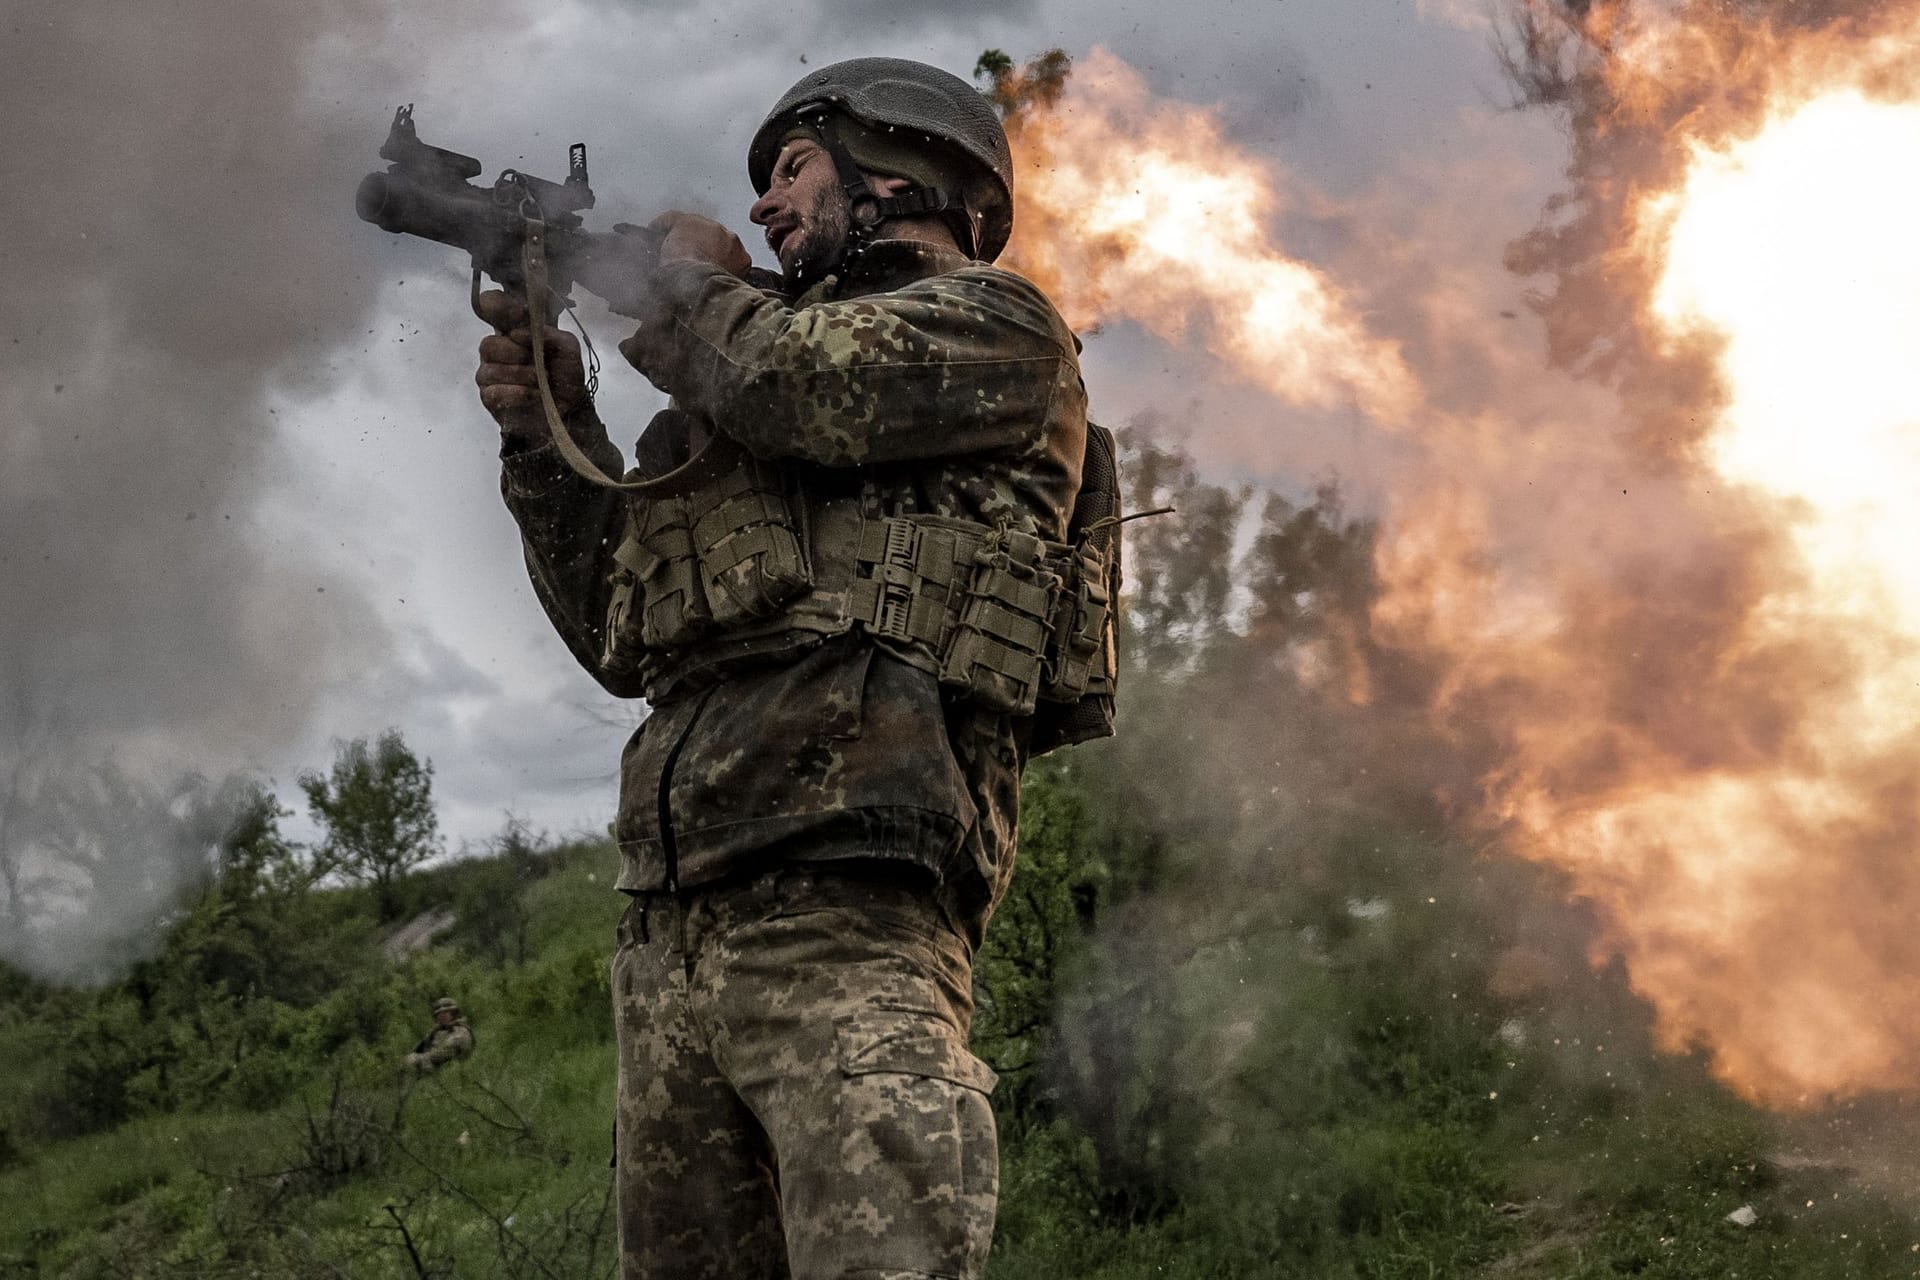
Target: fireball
column 1139, row 209
column 1745, row 813
column 1692, row 673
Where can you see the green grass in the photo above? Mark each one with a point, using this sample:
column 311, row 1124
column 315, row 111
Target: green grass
column 1405, row 1151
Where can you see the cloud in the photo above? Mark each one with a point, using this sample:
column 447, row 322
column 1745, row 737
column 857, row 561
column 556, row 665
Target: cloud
column 894, row 19
column 189, row 257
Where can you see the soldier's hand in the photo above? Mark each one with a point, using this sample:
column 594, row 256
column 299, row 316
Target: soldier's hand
column 691, row 237
column 508, row 387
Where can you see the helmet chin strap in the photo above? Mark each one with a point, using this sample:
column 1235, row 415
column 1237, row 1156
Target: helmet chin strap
column 866, row 210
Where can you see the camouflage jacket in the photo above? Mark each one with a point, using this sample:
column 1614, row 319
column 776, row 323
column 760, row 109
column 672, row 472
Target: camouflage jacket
column 928, row 383
column 444, row 1044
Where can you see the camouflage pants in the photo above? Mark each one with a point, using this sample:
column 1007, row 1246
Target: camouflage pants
column 796, row 1095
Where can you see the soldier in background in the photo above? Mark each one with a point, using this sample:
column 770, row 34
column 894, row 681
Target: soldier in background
column 839, row 636
column 450, row 1040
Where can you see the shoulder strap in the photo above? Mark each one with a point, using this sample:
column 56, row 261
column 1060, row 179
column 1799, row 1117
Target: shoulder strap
column 719, row 456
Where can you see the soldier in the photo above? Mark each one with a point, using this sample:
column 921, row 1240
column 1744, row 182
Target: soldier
column 839, row 631
column 450, row 1040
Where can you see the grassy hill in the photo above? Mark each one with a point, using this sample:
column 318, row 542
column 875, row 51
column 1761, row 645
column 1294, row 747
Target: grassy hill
column 1258, row 1006
column 1356, row 1127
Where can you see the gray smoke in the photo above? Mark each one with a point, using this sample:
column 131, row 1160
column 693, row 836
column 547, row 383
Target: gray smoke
column 187, row 252
column 184, row 275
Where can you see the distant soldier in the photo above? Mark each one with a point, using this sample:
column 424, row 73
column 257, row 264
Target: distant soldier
column 450, row 1039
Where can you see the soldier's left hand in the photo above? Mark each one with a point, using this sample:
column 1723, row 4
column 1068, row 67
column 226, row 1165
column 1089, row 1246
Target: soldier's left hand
column 508, row 387
column 692, row 238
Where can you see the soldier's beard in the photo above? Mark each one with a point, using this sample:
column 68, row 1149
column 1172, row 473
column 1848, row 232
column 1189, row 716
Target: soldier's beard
column 819, row 242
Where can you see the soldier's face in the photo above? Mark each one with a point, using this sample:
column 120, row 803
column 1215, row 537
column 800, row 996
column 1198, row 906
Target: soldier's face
column 803, row 211
column 444, row 1017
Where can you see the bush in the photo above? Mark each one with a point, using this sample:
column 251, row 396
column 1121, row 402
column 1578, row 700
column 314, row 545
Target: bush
column 490, row 899
column 1036, row 933
column 567, row 998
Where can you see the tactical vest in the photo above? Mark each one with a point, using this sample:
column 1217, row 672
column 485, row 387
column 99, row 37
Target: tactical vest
column 753, row 565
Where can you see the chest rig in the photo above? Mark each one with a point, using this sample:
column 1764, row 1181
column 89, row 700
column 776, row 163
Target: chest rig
column 767, row 558
column 729, row 561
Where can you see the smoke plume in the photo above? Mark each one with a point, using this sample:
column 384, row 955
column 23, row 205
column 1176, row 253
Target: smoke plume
column 188, row 253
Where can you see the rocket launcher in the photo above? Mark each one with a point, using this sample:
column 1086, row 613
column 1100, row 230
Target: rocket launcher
column 525, row 232
column 425, row 191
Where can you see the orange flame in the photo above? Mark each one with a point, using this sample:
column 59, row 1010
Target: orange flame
column 1143, row 210
column 1747, row 816
column 1696, row 664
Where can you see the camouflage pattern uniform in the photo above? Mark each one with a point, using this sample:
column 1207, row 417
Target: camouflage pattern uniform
column 815, row 839
column 443, row 1044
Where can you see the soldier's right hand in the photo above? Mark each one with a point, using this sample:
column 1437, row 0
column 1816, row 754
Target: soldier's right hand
column 508, row 387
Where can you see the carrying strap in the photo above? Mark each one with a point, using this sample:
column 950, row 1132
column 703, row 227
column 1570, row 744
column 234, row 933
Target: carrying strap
column 715, row 459
column 866, row 209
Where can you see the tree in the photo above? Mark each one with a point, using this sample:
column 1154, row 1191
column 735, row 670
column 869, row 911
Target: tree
column 1181, row 573
column 490, row 897
column 251, row 933
column 1015, row 91
column 377, row 807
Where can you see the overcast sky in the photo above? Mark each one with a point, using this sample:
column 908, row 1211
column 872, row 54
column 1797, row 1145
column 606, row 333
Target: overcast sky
column 250, row 498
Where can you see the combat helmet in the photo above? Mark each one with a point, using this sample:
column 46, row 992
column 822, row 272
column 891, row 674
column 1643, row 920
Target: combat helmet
column 895, row 96
column 445, row 1004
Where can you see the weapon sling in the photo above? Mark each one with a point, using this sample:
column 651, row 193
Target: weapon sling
column 717, row 457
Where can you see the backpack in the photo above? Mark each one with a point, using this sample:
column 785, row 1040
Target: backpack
column 1092, row 633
